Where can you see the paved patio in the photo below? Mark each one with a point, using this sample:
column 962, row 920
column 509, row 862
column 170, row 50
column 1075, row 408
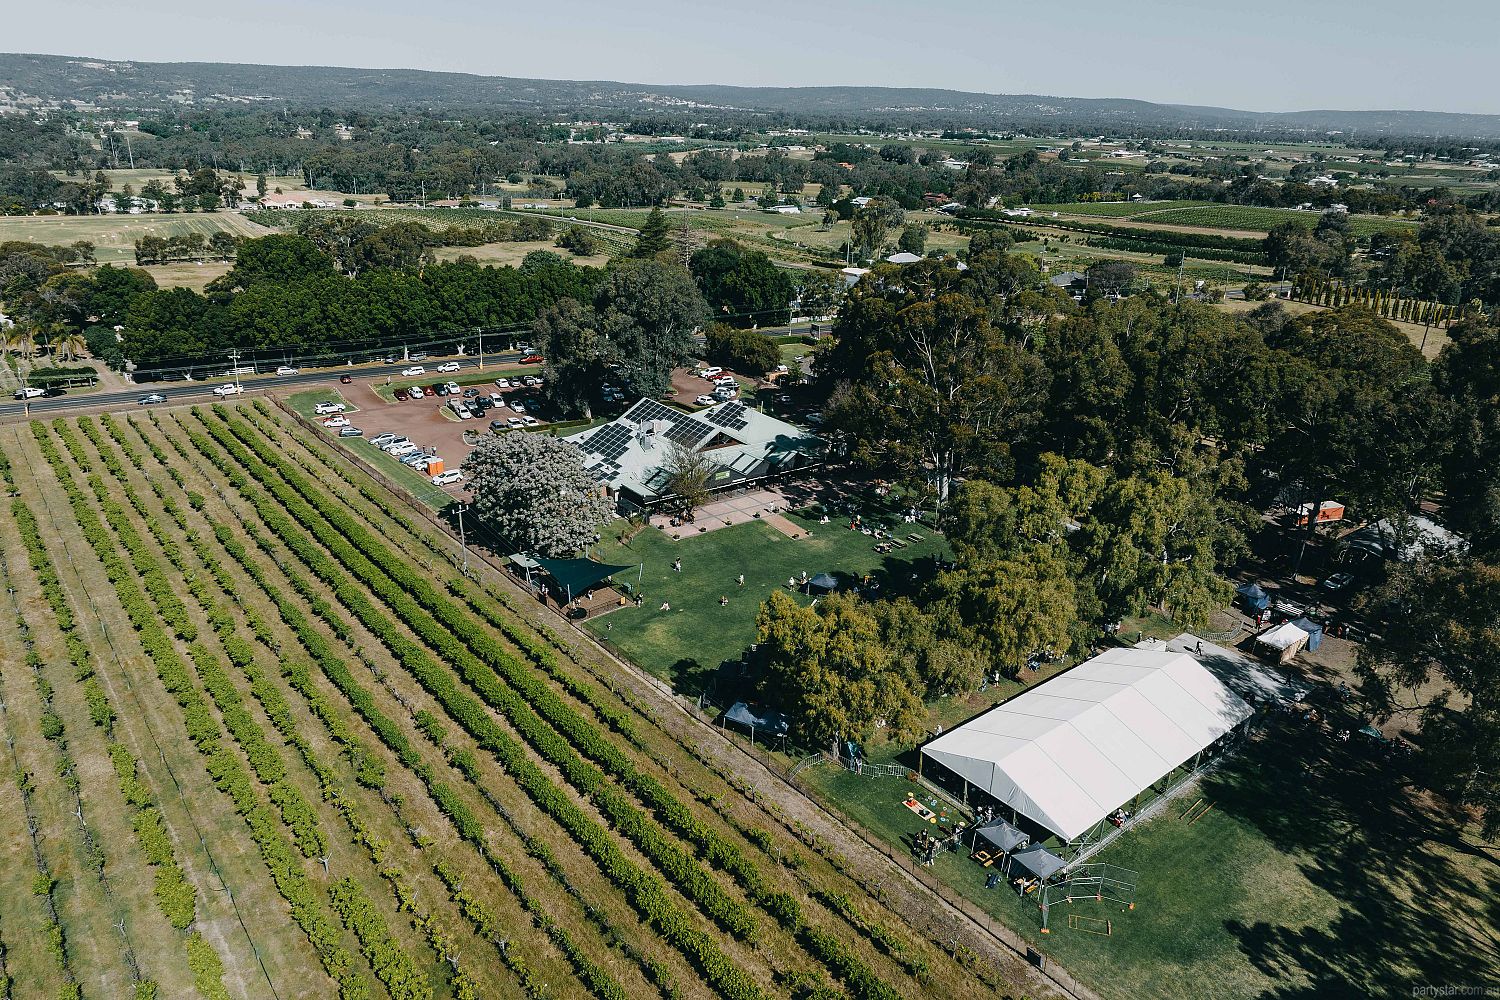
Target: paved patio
column 724, row 511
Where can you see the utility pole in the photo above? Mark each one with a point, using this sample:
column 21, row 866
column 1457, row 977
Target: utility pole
column 480, row 331
column 234, row 366
column 463, row 539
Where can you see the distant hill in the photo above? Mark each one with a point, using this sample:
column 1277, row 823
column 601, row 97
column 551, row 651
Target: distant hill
column 139, row 85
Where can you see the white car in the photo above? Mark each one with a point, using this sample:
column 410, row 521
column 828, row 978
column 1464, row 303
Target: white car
column 228, row 389
column 325, row 408
column 517, row 405
column 503, row 383
column 531, row 380
column 515, row 422
column 449, row 366
column 416, row 391
column 453, row 387
column 413, row 371
column 447, row 478
column 530, row 421
column 402, row 449
column 710, row 373
column 30, row 392
column 380, row 440
column 336, row 422
column 726, row 380
column 286, row 370
column 704, row 401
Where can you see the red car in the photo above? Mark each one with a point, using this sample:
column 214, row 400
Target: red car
column 346, row 378
column 532, row 359
column 402, row 395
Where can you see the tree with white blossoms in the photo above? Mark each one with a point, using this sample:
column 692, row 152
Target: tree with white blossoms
column 531, row 488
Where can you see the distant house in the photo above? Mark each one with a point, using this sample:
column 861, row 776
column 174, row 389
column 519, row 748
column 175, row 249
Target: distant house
column 853, row 274
column 1339, row 208
column 952, row 164
column 281, row 201
column 903, row 257
column 785, row 209
column 1323, row 180
column 1067, row 279
column 1019, row 213
column 861, row 201
column 629, row 456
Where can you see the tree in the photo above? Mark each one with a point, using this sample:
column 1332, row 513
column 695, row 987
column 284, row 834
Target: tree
column 821, row 292
column 533, row 491
column 831, row 672
column 1467, row 374
column 648, row 311
column 743, row 287
column 68, row 345
column 567, row 333
column 1111, row 277
column 1439, row 618
column 743, row 351
column 654, row 236
column 688, row 472
column 578, row 240
column 873, row 222
column 913, row 238
column 260, row 185
column 922, row 382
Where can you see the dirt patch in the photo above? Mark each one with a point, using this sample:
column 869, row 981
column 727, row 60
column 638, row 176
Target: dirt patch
column 782, row 525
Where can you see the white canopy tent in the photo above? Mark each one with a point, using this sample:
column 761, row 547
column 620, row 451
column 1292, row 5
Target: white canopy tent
column 1285, row 640
column 1073, row 749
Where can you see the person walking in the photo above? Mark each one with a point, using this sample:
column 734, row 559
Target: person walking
column 677, row 565
column 740, row 579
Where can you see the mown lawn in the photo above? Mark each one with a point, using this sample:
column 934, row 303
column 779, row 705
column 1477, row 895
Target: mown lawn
column 1316, row 873
column 686, row 644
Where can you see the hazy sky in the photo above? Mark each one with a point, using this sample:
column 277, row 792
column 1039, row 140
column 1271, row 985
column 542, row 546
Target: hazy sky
column 1270, row 55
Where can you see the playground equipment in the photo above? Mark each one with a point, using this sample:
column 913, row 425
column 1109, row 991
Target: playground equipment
column 1094, row 882
column 1091, row 925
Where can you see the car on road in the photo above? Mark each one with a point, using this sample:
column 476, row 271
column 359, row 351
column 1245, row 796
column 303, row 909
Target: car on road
column 413, row 371
column 533, row 359
column 350, row 432
column 326, row 407
column 1336, row 582
column 228, row 389
column 154, row 397
column 704, row 401
column 449, row 366
column 447, row 478
column 503, row 383
column 28, row 392
column 345, row 378
column 286, row 370
column 711, row 373
column 382, row 439
column 338, row 421
column 401, row 395
column 418, row 356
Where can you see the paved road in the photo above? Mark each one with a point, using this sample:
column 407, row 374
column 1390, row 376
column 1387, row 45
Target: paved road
column 187, row 392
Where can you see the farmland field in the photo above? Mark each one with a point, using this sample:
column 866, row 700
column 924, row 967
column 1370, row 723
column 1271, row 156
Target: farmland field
column 1210, row 215
column 241, row 665
column 1115, row 209
column 114, row 236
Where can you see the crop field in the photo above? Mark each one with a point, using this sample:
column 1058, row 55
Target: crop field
column 1209, row 215
column 114, row 236
column 263, row 740
column 1116, row 209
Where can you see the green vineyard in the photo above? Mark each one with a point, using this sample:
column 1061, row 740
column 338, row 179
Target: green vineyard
column 266, row 741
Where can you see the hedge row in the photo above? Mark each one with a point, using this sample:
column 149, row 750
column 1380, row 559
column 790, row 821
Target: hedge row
column 223, row 767
column 369, row 769
column 392, row 965
column 645, row 891
column 581, row 734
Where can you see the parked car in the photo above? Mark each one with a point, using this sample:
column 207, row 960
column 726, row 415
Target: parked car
column 336, row 421
column 531, row 421
column 531, row 380
column 350, row 432
column 345, row 378
column 417, row 392
column 227, row 389
column 380, row 440
column 401, row 450
column 533, row 359
column 460, row 411
column 495, row 399
column 326, row 407
column 704, row 401
column 725, row 393
column 401, row 395
column 286, row 370
column 503, row 383
column 470, row 393
column 154, row 397
column 413, row 371
column 711, row 373
column 418, row 356
column 454, row 388
column 1336, row 582
column 498, row 424
column 449, row 366
column 28, row 392
column 726, row 380
column 417, row 461
column 514, row 422
column 447, row 478
column 518, row 406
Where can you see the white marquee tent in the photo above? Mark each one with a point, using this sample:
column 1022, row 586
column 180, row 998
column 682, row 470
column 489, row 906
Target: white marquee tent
column 1073, row 749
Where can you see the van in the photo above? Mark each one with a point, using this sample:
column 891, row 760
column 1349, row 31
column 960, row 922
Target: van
column 418, row 356
column 326, row 408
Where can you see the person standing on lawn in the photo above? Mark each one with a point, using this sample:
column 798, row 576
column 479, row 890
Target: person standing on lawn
column 740, row 579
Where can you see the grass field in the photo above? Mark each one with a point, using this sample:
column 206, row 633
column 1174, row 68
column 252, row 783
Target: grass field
column 114, row 236
column 686, row 644
column 1316, row 873
column 511, row 254
column 409, row 788
column 1209, row 215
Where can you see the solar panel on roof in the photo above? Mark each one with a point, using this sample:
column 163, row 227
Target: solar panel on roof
column 650, row 409
column 610, row 442
column 687, row 431
column 731, row 415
